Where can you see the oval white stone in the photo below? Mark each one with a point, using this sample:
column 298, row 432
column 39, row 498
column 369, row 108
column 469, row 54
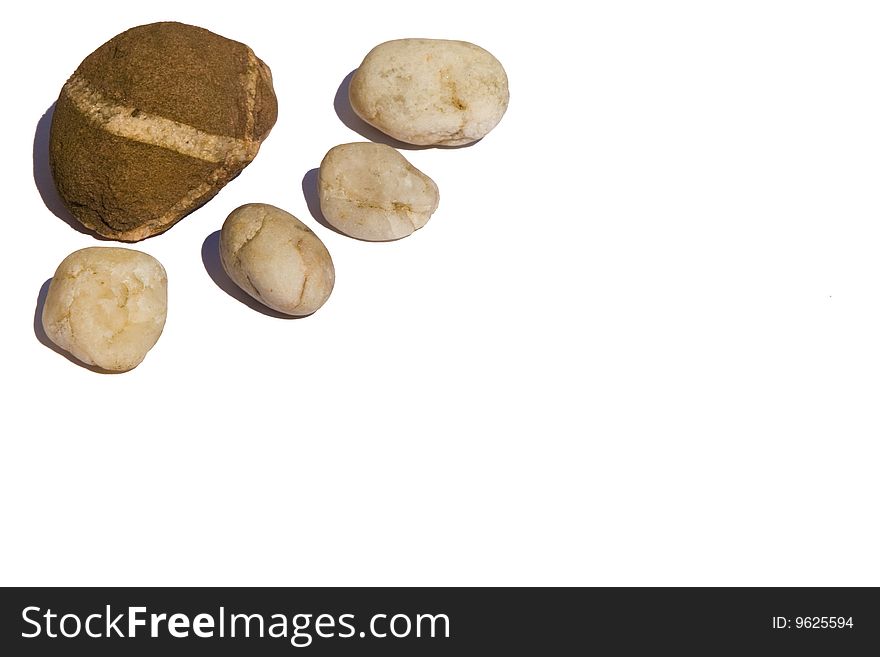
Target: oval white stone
column 370, row 191
column 430, row 91
column 275, row 258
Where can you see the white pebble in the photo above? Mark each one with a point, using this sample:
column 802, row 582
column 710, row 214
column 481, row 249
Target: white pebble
column 275, row 258
column 430, row 91
column 370, row 191
column 107, row 306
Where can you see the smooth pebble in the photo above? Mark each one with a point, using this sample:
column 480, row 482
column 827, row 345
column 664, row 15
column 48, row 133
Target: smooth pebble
column 107, row 306
column 275, row 258
column 370, row 191
column 430, row 91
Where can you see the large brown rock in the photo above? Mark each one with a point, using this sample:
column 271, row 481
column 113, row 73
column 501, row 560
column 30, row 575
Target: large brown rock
column 154, row 123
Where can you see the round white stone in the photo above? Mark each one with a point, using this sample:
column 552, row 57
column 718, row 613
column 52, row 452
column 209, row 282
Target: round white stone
column 275, row 258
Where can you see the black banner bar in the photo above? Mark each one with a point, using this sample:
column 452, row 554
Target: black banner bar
column 445, row 621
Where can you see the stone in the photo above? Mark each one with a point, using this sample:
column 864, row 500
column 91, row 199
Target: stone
column 430, row 92
column 276, row 259
column 106, row 306
column 370, row 191
column 154, row 123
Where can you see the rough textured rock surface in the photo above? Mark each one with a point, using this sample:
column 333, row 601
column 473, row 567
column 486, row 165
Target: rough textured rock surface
column 370, row 191
column 430, row 91
column 107, row 306
column 275, row 258
column 154, row 123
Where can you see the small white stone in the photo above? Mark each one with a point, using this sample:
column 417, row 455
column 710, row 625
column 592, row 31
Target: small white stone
column 430, row 91
column 275, row 258
column 370, row 191
column 107, row 306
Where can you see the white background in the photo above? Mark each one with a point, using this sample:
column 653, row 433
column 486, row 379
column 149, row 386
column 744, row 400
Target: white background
column 639, row 342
